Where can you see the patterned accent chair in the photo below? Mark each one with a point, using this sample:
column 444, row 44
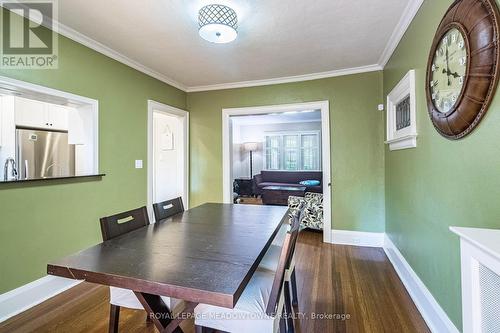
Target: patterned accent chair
column 313, row 210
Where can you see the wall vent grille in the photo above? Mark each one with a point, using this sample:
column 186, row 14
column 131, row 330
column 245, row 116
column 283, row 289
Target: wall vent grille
column 489, row 285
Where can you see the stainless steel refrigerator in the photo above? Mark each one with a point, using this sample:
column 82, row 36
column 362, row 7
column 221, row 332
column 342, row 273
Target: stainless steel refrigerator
column 44, row 154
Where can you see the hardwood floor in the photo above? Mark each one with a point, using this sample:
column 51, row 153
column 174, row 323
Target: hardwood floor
column 356, row 284
column 355, row 281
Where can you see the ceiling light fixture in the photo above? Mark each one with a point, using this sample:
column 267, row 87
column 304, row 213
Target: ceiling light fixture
column 218, row 23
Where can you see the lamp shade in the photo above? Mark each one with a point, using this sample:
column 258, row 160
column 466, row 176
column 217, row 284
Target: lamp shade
column 218, row 23
column 251, row 146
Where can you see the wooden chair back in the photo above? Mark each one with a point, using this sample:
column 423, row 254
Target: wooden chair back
column 168, row 208
column 122, row 223
column 294, row 230
column 284, row 260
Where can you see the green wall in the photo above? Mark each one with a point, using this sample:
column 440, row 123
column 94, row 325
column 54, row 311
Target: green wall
column 414, row 195
column 46, row 220
column 357, row 148
column 441, row 183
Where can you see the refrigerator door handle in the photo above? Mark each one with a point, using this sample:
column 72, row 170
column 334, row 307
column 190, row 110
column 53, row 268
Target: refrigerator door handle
column 26, row 169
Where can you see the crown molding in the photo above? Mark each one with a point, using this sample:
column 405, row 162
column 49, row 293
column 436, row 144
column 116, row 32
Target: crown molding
column 287, row 79
column 398, row 33
column 109, row 52
column 396, row 36
column 80, row 38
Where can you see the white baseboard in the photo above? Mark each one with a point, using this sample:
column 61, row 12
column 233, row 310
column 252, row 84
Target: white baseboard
column 21, row 299
column 358, row 238
column 431, row 311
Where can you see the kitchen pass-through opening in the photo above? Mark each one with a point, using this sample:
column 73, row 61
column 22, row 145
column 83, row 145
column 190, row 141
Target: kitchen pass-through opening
column 46, row 133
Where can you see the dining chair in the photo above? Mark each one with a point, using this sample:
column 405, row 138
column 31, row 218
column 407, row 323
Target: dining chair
column 271, row 258
column 261, row 307
column 114, row 226
column 298, row 210
column 165, row 209
column 122, row 223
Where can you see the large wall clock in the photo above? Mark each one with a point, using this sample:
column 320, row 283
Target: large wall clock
column 462, row 72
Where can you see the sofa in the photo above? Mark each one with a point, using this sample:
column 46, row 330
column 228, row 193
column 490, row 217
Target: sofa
column 287, row 178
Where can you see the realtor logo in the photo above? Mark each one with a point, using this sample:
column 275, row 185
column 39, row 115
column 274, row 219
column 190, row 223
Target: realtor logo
column 29, row 37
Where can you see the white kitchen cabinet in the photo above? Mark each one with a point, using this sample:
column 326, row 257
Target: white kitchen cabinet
column 81, row 134
column 33, row 113
column 57, row 117
column 76, row 129
column 30, row 113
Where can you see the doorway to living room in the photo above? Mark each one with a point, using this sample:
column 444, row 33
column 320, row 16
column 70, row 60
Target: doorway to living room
column 280, row 155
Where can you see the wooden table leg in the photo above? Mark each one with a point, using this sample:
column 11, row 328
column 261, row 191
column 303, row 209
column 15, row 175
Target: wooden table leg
column 114, row 318
column 161, row 315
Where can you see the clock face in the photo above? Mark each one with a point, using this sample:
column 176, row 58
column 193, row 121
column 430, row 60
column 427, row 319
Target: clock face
column 449, row 68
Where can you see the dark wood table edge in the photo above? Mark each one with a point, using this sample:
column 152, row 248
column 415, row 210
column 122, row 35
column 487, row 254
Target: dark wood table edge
column 143, row 286
column 256, row 264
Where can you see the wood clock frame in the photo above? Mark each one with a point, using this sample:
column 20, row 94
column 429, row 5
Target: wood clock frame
column 478, row 21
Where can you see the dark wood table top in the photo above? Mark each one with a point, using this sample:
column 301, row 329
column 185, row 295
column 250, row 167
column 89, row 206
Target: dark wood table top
column 206, row 254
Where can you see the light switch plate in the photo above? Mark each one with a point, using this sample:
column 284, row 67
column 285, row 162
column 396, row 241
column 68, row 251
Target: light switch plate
column 381, row 107
column 138, row 164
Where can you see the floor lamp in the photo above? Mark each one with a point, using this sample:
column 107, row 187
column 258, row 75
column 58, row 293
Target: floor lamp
column 251, row 147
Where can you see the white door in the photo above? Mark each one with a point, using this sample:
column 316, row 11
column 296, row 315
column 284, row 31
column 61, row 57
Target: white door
column 168, row 154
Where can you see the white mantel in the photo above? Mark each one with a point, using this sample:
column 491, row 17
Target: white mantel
column 480, row 261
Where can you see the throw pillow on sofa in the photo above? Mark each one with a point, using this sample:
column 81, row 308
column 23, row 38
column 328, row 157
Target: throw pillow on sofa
column 310, row 182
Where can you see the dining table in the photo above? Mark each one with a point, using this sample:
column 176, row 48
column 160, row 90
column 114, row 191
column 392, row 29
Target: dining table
column 206, row 254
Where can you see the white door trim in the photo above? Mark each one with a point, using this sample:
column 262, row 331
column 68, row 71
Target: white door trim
column 324, row 106
column 184, row 115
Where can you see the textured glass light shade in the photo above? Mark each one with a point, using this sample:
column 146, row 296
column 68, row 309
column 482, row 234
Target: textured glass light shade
column 218, row 24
